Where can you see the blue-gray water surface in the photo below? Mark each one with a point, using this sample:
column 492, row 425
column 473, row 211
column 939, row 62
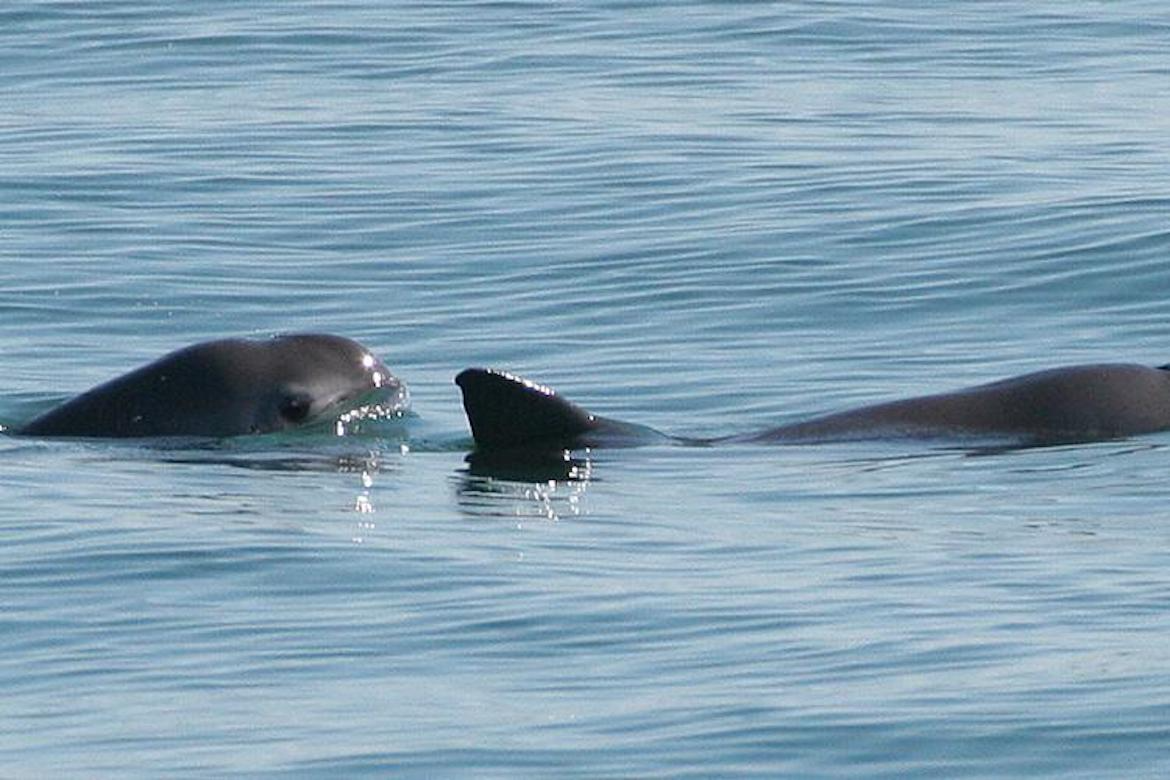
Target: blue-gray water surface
column 710, row 217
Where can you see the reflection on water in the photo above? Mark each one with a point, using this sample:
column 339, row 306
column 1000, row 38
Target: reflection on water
column 351, row 463
column 543, row 484
column 532, row 465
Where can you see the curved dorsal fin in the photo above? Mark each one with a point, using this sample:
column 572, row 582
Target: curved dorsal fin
column 505, row 410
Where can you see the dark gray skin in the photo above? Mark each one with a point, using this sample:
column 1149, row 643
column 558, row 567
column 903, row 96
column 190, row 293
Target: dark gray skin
column 228, row 388
column 1073, row 404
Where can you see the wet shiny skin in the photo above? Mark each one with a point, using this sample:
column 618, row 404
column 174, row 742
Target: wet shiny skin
column 229, row 387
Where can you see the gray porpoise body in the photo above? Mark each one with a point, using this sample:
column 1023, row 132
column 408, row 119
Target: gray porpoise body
column 1075, row 403
column 227, row 388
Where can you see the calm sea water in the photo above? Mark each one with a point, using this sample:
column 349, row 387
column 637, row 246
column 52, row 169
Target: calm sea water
column 709, row 217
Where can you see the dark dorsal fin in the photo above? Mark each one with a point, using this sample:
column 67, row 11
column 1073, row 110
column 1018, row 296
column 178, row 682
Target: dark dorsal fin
column 507, row 411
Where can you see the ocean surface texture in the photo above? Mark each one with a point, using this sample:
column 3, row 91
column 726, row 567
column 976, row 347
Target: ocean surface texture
column 708, row 217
